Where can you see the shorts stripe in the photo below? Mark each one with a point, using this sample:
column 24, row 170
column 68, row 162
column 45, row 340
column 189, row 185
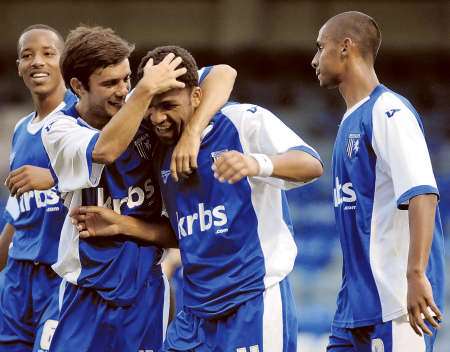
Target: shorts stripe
column 166, row 306
column 273, row 319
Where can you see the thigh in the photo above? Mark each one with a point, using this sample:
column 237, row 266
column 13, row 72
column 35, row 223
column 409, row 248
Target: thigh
column 46, row 306
column 16, row 310
column 392, row 336
column 84, row 322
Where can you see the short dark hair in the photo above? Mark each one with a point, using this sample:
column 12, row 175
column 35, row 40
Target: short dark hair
column 362, row 28
column 190, row 78
column 90, row 48
column 42, row 27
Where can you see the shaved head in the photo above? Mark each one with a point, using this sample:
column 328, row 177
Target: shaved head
column 360, row 28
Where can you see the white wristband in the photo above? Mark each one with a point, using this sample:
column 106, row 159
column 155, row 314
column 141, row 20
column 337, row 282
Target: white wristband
column 265, row 164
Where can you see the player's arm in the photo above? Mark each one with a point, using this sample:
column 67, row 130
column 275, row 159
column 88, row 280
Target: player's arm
column 401, row 150
column 27, row 178
column 216, row 89
column 421, row 212
column 272, row 151
column 293, row 165
column 120, row 130
column 5, row 241
column 92, row 221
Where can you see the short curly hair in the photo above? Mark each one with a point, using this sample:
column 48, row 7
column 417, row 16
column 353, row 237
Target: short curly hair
column 90, row 48
column 190, row 78
column 44, row 27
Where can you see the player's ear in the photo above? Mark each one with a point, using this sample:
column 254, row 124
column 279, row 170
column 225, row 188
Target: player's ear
column 346, row 44
column 18, row 69
column 76, row 86
column 196, row 96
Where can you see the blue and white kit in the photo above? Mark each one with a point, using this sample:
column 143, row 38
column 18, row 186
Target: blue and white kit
column 380, row 162
column 29, row 297
column 236, row 241
column 116, row 281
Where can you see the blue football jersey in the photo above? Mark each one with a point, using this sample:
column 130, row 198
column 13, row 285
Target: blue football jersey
column 235, row 240
column 37, row 216
column 380, row 161
column 116, row 267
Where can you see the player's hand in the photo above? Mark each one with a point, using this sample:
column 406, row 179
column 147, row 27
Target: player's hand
column 162, row 77
column 92, row 221
column 420, row 301
column 27, row 178
column 233, row 166
column 184, row 157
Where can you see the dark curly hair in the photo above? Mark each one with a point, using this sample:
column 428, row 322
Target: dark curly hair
column 190, row 78
column 90, row 48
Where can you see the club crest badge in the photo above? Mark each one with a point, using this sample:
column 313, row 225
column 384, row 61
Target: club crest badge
column 143, row 146
column 353, row 144
column 165, row 175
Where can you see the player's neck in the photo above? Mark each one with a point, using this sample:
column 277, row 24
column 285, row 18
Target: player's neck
column 359, row 82
column 45, row 104
column 89, row 116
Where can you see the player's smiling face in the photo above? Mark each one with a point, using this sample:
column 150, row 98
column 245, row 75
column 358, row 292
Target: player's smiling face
column 327, row 62
column 108, row 88
column 170, row 111
column 38, row 62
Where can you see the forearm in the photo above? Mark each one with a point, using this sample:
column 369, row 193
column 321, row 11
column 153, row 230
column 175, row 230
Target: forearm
column 216, row 89
column 120, row 130
column 296, row 166
column 159, row 233
column 421, row 213
column 5, row 241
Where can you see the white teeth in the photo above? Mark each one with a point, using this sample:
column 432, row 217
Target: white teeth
column 39, row 75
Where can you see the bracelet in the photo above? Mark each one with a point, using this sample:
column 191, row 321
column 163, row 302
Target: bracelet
column 265, row 164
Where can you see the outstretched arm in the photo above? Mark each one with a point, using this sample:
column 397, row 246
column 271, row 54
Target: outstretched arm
column 216, row 88
column 421, row 213
column 92, row 221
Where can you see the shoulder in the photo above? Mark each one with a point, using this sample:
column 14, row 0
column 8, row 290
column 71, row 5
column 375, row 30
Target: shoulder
column 58, row 121
column 390, row 104
column 24, row 121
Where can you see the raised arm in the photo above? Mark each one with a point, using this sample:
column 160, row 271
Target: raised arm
column 92, row 221
column 216, row 88
column 120, row 130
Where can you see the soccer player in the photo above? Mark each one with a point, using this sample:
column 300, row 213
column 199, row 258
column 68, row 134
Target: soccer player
column 101, row 154
column 230, row 218
column 385, row 200
column 29, row 295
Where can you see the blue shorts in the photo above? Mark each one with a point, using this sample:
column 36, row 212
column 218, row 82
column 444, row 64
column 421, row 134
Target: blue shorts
column 267, row 322
column 392, row 336
column 28, row 306
column 90, row 323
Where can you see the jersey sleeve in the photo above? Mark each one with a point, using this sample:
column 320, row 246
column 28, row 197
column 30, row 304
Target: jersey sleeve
column 69, row 147
column 401, row 149
column 265, row 133
column 12, row 211
column 203, row 73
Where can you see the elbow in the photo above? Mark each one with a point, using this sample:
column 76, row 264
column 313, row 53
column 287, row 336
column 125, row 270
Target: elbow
column 315, row 170
column 227, row 71
column 105, row 156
